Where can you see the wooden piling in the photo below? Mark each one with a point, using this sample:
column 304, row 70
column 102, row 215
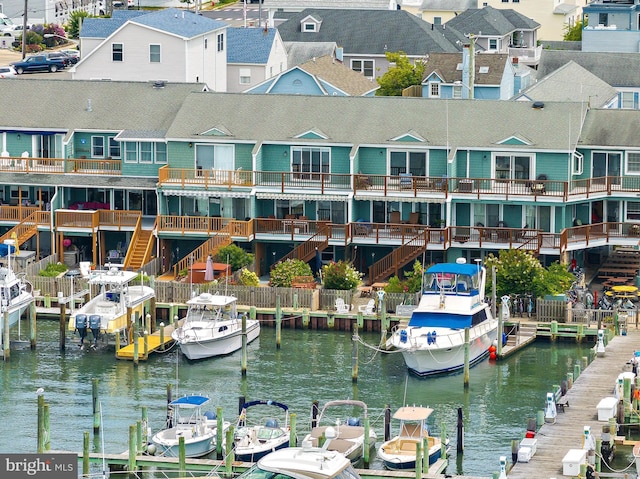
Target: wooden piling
column 162, row 345
column 32, row 325
column 419, row 459
column 354, row 354
column 466, row 357
column 230, row 457
column 278, row 322
column 293, row 435
column 96, row 405
column 139, row 436
column 305, row 318
column 46, row 427
column 443, row 441
column 131, row 463
column 169, row 400
column 460, row 432
column 244, row 359
column 424, row 456
column 219, row 431
column 63, row 322
column 40, row 423
column 145, row 428
column 85, row 454
column 367, row 444
column 145, row 344
column 387, row 422
column 182, row 455
column 5, row 335
column 136, row 353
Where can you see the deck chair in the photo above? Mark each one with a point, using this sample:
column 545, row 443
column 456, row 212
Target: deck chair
column 394, row 217
column 342, row 307
column 368, row 308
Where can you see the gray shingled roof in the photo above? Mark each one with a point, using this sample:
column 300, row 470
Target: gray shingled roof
column 448, row 5
column 332, row 4
column 377, row 120
column 372, row 32
column 611, row 127
column 300, row 52
column 571, row 82
column 491, row 21
column 621, row 70
column 329, row 70
column 446, row 64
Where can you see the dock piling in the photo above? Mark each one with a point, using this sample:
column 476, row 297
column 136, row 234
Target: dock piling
column 354, row 354
column 40, row 435
column 367, row 444
column 46, row 427
column 162, row 345
column 85, row 454
column 466, row 357
column 230, row 457
column 219, row 430
column 419, row 458
column 95, row 405
column 32, row 325
column 5, row 335
column 292, row 430
column 131, row 464
column 278, row 322
column 243, row 361
column 460, row 432
column 387, row 422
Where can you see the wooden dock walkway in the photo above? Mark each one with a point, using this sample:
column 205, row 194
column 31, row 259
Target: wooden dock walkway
column 595, row 383
column 153, row 343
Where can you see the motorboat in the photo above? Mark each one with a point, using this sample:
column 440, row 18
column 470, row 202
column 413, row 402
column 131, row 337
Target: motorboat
column 213, row 327
column 349, row 431
column 199, row 429
column 453, row 300
column 399, row 453
column 306, row 462
column 253, row 441
column 15, row 292
column 111, row 311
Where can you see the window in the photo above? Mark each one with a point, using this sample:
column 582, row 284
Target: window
column 206, row 43
column 146, row 152
column 578, row 163
column 161, row 152
column 363, row 66
column 457, row 91
column 412, row 162
column 306, row 160
column 245, row 76
column 285, row 208
column 131, row 152
column 513, row 167
column 114, row 148
column 633, row 211
column 434, row 90
column 603, row 19
column 154, row 53
column 437, row 20
column 117, row 52
column 493, row 44
column 633, row 163
column 627, row 100
column 221, row 42
column 309, row 27
column 97, row 147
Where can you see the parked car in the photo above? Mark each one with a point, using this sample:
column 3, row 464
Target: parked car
column 66, row 59
column 7, row 71
column 73, row 53
column 38, row 63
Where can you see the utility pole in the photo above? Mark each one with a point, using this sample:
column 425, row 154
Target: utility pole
column 24, row 30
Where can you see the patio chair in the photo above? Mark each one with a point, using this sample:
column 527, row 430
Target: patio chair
column 342, row 307
column 368, row 308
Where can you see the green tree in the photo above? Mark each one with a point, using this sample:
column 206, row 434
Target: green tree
column 283, row 273
column 573, row 33
column 234, row 256
column 519, row 272
column 75, row 22
column 400, row 76
column 341, row 275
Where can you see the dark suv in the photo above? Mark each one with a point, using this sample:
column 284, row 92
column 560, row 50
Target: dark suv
column 66, row 59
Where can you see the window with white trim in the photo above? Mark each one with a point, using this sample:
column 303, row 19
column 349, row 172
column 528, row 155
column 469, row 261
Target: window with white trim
column 437, row 20
column 308, row 162
column 220, row 40
column 117, row 52
column 457, row 91
column 245, row 76
column 130, row 152
column 633, row 210
column 513, row 167
column 434, row 90
column 97, row 146
column 114, row 148
column 146, row 152
column 627, row 100
column 577, row 163
column 154, row 53
column 493, row 44
column 309, row 27
column 161, row 152
column 365, row 67
column 633, row 163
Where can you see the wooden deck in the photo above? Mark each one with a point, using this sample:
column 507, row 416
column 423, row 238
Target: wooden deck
column 153, row 344
column 595, row 383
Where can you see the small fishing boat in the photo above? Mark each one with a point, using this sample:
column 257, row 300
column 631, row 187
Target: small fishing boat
column 187, row 420
column 107, row 312
column 349, row 433
column 306, row 462
column 15, row 292
column 399, row 453
column 453, row 299
column 252, row 442
column 213, row 327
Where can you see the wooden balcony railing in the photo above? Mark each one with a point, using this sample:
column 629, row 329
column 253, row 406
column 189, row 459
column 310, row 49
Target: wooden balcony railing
column 15, row 214
column 84, row 166
column 119, row 218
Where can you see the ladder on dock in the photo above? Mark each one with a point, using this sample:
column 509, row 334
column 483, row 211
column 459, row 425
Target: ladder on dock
column 147, row 345
column 524, row 334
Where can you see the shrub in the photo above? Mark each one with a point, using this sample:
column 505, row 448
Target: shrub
column 411, row 283
column 341, row 275
column 248, row 278
column 235, row 256
column 283, row 273
column 53, row 269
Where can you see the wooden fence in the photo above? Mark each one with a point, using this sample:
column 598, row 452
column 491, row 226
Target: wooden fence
column 548, row 310
column 34, row 268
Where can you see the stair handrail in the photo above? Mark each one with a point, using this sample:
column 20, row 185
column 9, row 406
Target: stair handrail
column 399, row 257
column 149, row 246
column 209, row 247
column 307, row 248
column 23, row 230
column 132, row 243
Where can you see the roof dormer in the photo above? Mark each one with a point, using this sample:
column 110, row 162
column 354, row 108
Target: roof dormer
column 310, row 24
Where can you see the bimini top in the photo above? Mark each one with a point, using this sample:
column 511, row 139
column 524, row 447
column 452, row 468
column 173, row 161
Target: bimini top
column 413, row 413
column 190, row 401
column 454, row 268
column 212, row 300
column 112, row 276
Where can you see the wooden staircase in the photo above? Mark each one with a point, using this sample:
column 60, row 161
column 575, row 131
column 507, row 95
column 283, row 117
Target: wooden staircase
column 27, row 228
column 399, row 257
column 307, row 251
column 140, row 249
column 209, row 247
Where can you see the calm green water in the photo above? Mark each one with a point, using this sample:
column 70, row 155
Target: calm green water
column 311, row 365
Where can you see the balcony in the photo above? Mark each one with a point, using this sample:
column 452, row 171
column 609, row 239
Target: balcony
column 526, row 55
column 81, row 166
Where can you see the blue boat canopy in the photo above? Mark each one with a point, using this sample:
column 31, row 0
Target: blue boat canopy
column 454, row 268
column 421, row 319
column 190, row 401
column 6, row 249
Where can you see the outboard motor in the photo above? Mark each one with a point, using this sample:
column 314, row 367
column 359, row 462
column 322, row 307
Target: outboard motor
column 608, row 448
column 94, row 326
column 81, row 327
column 550, row 412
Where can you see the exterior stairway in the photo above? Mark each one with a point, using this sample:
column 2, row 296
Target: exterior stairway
column 140, row 249
column 27, row 228
column 399, row 257
column 307, row 251
column 209, row 247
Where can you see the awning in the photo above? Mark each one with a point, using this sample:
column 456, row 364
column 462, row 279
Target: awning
column 401, row 199
column 301, row 196
column 207, row 193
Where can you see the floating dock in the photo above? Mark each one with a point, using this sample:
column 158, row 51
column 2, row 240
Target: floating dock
column 593, row 384
column 146, row 345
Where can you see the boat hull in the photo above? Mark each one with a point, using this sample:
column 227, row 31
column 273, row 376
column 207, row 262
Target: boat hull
column 194, row 447
column 253, row 454
column 447, row 353
column 210, row 345
column 16, row 310
column 406, row 461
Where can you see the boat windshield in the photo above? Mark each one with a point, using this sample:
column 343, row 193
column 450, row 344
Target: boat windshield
column 451, row 282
